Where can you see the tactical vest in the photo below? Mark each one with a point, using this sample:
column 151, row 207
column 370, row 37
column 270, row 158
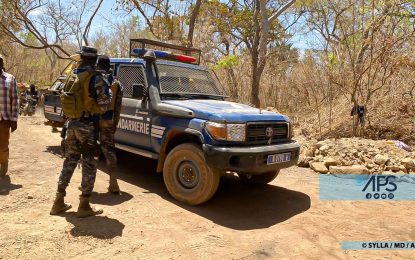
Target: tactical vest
column 75, row 98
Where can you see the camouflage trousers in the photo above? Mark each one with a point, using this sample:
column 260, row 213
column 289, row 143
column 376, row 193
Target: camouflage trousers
column 79, row 144
column 106, row 140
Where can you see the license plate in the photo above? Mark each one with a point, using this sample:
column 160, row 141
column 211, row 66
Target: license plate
column 278, row 158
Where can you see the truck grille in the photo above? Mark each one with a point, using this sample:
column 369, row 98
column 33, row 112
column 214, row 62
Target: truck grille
column 260, row 133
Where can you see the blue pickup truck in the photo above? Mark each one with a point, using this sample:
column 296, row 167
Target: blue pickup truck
column 175, row 111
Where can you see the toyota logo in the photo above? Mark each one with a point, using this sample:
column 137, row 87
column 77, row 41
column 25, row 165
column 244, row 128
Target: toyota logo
column 269, row 132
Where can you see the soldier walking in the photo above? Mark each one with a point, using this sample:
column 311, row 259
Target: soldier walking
column 108, row 123
column 9, row 107
column 83, row 101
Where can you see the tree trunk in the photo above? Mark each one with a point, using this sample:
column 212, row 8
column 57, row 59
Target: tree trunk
column 52, row 62
column 192, row 22
column 255, row 88
column 233, row 84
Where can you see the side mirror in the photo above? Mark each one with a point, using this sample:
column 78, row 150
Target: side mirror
column 139, row 91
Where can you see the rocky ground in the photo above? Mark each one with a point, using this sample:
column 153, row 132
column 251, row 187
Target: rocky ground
column 357, row 155
column 283, row 220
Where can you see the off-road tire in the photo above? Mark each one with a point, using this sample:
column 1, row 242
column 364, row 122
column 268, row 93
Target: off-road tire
column 261, row 179
column 190, row 158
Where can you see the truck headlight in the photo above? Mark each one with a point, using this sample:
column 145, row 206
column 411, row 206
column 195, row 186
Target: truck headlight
column 227, row 132
column 236, row 132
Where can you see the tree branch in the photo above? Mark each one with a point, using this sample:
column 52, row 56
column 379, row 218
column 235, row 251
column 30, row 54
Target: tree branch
column 192, row 21
column 143, row 13
column 280, row 11
column 88, row 26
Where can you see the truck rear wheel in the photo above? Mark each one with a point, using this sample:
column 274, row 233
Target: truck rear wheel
column 261, row 179
column 187, row 176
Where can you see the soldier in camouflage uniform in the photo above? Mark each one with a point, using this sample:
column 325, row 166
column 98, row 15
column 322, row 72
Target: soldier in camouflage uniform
column 81, row 138
column 108, row 124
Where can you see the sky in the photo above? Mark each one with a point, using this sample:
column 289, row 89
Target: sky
column 300, row 40
column 106, row 12
column 108, row 15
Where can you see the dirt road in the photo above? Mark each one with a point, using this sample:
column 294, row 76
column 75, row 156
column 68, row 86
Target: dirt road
column 285, row 220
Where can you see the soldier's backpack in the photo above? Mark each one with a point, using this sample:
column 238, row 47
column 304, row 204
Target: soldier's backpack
column 76, row 98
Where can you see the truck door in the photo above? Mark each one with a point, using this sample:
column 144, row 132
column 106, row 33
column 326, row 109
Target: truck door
column 134, row 126
column 52, row 102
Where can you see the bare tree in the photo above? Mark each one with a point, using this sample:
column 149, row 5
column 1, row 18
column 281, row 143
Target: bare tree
column 252, row 26
column 166, row 20
column 56, row 24
column 20, row 13
column 363, row 43
column 263, row 17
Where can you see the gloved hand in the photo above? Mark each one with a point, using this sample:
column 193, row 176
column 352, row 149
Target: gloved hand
column 13, row 126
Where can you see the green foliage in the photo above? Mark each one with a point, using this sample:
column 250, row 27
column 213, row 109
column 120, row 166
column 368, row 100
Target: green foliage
column 227, row 62
column 305, row 3
column 331, row 61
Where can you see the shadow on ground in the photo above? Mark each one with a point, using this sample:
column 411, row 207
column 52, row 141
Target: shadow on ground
column 110, row 199
column 6, row 185
column 54, row 149
column 235, row 205
column 100, row 227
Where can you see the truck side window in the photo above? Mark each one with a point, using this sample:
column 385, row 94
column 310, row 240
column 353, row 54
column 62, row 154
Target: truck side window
column 129, row 75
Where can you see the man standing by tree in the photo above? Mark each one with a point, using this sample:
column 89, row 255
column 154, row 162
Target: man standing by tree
column 108, row 123
column 9, row 108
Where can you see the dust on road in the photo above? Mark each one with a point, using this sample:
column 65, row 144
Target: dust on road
column 284, row 220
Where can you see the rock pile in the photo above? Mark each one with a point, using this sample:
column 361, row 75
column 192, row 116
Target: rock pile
column 355, row 156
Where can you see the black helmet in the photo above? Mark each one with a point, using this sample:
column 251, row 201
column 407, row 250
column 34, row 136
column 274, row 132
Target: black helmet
column 103, row 63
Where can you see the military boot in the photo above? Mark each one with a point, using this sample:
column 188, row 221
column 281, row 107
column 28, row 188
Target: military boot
column 113, row 187
column 59, row 205
column 4, row 167
column 85, row 210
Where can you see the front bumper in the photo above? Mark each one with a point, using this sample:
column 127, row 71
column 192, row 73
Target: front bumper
column 249, row 160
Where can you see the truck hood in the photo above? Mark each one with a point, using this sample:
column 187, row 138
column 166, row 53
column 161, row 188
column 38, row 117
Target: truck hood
column 217, row 110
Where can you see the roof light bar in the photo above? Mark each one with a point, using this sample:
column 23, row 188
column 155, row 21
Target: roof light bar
column 165, row 55
column 185, row 58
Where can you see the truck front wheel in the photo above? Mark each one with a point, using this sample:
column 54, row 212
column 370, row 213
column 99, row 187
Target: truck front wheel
column 259, row 179
column 187, row 176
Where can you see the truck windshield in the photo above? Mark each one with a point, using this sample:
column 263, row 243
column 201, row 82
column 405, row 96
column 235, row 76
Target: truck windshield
column 176, row 80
